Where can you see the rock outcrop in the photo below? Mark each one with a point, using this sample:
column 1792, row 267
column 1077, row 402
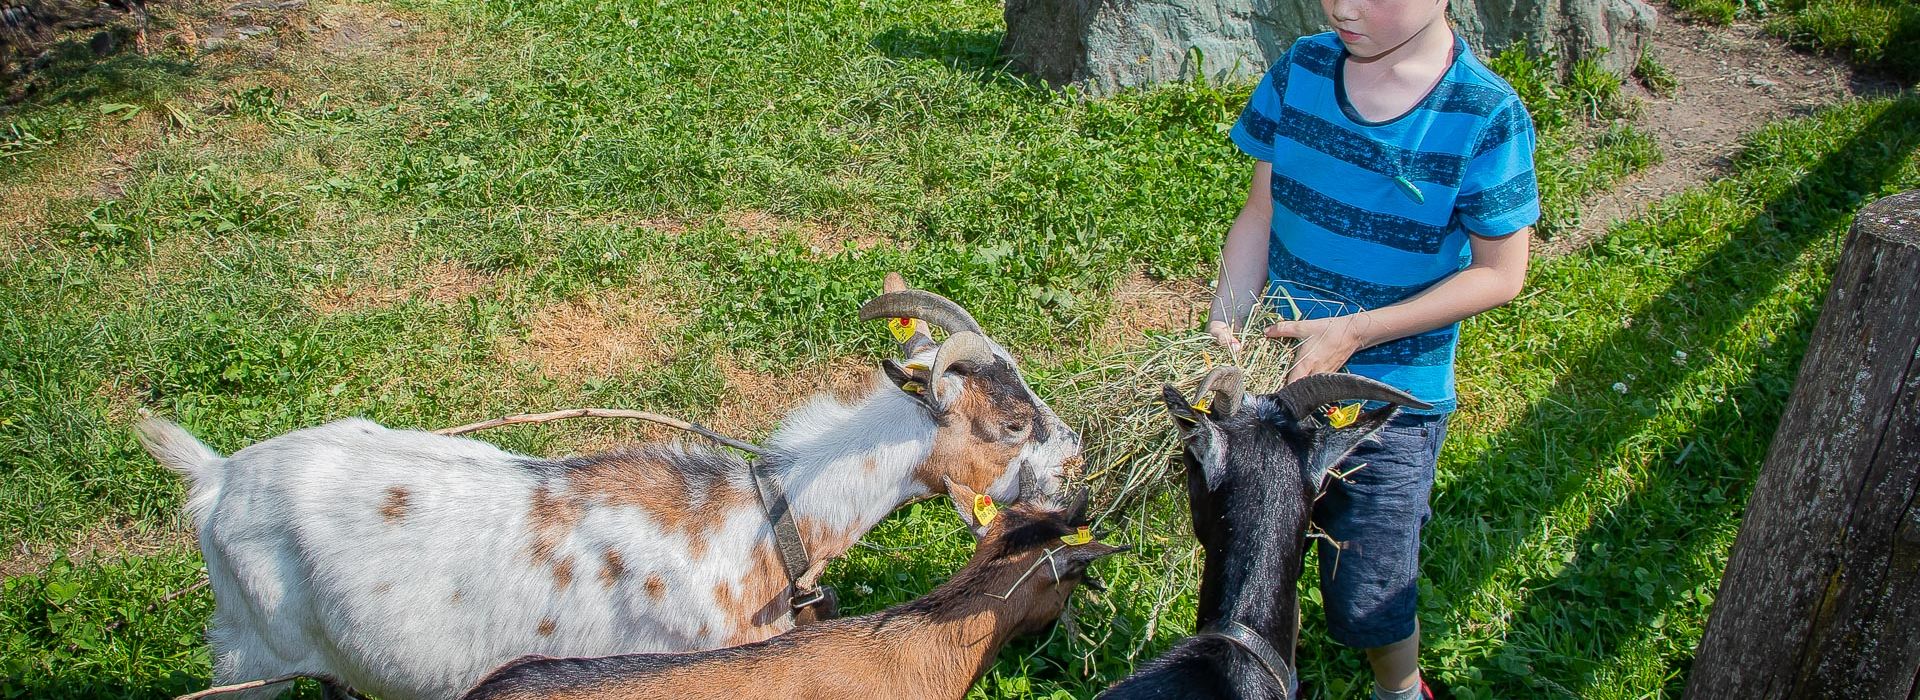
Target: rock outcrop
column 1104, row 46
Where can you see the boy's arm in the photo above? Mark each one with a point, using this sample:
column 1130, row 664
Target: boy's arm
column 1495, row 276
column 1243, row 260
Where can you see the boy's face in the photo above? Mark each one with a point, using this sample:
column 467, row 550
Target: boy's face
column 1370, row 28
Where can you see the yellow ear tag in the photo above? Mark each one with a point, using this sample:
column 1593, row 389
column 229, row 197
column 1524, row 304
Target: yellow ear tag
column 984, row 511
column 1082, row 536
column 914, row 387
column 902, row 328
column 1343, row 416
column 1203, row 404
column 917, row 366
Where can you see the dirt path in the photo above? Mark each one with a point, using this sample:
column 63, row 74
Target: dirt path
column 1732, row 80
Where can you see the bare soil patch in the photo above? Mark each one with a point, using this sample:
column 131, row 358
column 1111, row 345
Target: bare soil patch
column 755, row 401
column 1142, row 305
column 441, row 283
column 113, row 539
column 1732, row 80
column 822, row 238
column 596, row 336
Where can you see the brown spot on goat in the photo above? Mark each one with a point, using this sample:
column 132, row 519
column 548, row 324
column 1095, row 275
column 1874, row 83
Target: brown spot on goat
column 759, row 598
column 456, row 598
column 546, row 628
column 656, row 587
column 685, row 492
column 563, row 573
column 395, row 507
column 611, row 568
column 382, row 587
column 552, row 518
column 825, row 541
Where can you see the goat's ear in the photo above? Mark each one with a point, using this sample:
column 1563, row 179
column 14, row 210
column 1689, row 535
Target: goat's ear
column 914, row 380
column 910, row 380
column 977, row 510
column 1199, row 436
column 1185, row 416
column 1076, row 509
column 1334, row 444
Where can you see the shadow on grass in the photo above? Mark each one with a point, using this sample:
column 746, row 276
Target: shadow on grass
column 976, row 53
column 1642, row 554
column 75, row 71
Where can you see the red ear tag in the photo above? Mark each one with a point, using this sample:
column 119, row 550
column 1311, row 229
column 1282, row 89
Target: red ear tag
column 902, row 328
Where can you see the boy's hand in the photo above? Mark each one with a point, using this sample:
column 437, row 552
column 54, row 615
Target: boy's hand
column 1325, row 343
column 1224, row 335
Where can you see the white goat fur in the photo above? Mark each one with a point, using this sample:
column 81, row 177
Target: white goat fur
column 314, row 572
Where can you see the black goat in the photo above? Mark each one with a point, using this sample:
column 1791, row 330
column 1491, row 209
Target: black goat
column 1253, row 472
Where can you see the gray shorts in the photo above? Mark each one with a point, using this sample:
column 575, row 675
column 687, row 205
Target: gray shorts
column 1371, row 584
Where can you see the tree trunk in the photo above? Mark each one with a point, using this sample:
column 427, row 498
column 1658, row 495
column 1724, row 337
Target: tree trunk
column 1821, row 598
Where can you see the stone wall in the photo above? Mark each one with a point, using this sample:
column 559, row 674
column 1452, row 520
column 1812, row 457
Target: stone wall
column 1104, row 46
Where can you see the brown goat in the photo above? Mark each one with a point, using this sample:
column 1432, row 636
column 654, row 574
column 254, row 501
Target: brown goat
column 1017, row 581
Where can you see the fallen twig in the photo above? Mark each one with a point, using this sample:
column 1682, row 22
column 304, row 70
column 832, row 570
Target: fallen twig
column 249, row 685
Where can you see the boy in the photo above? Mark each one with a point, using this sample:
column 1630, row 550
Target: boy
column 1393, row 195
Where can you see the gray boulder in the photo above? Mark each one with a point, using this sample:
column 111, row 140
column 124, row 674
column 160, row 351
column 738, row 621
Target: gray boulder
column 1104, row 46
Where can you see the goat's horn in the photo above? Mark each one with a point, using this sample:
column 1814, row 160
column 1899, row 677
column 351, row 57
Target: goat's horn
column 963, row 346
column 924, row 305
column 1307, row 394
column 1227, row 383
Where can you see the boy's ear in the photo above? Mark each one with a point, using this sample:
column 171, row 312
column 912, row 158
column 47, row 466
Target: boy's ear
column 977, row 510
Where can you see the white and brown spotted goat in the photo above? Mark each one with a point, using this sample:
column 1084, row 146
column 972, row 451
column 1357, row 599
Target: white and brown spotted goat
column 1017, row 581
column 407, row 564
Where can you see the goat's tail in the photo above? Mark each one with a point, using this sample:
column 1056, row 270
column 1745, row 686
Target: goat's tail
column 179, row 450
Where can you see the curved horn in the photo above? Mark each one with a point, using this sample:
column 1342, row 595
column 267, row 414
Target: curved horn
column 964, row 346
column 1227, row 383
column 1311, row 392
column 924, row 305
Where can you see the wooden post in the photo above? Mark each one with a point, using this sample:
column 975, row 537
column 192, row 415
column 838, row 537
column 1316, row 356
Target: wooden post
column 1821, row 597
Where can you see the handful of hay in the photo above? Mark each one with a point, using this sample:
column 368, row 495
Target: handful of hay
column 1129, row 445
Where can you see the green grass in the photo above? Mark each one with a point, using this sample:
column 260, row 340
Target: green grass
column 1877, row 34
column 602, row 148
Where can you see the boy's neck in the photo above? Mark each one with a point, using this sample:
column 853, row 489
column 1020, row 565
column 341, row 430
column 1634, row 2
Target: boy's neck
column 1431, row 46
column 1389, row 84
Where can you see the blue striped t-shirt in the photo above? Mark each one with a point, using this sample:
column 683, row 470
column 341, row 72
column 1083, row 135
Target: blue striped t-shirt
column 1366, row 214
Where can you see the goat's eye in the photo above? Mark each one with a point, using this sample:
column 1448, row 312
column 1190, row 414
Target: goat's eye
column 1014, row 428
